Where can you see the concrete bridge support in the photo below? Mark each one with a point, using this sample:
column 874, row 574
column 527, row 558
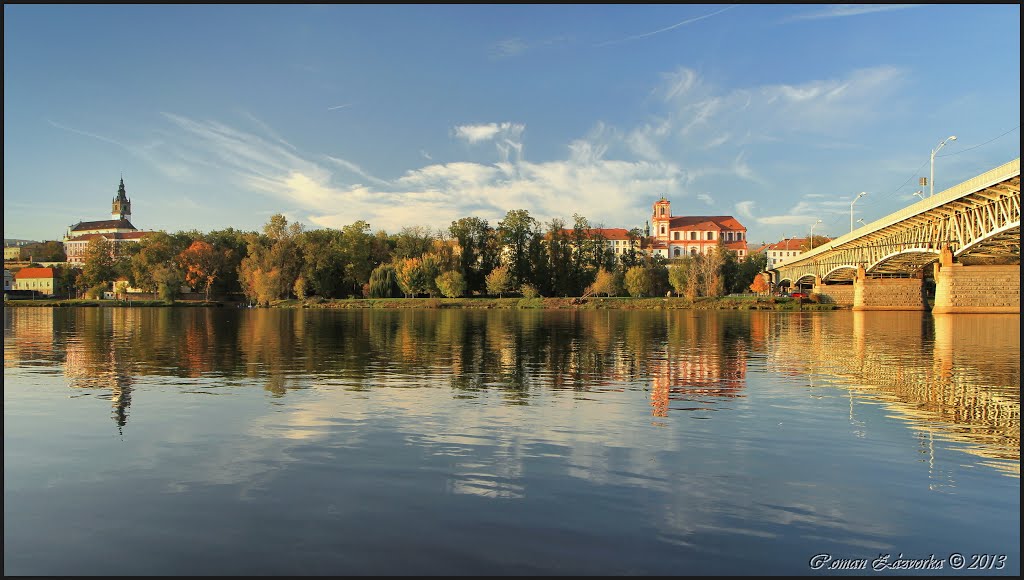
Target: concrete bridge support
column 976, row 289
column 888, row 293
column 834, row 293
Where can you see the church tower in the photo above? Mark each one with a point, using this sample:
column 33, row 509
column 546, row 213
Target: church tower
column 661, row 218
column 121, row 209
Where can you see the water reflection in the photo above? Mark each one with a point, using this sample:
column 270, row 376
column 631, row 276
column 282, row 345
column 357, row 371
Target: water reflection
column 612, row 434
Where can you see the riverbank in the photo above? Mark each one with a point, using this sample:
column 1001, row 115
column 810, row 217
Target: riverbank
column 592, row 303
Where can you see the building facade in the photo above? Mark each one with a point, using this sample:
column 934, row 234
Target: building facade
column 117, row 230
column 38, row 279
column 679, row 236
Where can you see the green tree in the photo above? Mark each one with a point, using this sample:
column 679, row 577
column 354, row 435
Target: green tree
column 678, row 275
column 156, row 249
column 98, row 264
column 384, row 283
column 477, row 250
column 452, row 284
column 560, row 280
column 518, row 232
column 413, row 242
column 639, row 281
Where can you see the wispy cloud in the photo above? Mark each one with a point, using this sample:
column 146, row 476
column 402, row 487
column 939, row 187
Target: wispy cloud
column 341, row 192
column 844, row 10
column 666, row 29
column 513, row 47
column 706, row 198
column 336, row 107
column 88, row 134
column 149, row 152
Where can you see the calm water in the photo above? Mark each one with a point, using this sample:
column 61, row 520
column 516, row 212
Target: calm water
column 225, row 441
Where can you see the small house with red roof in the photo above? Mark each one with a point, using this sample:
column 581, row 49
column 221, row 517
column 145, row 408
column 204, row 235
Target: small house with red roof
column 38, row 279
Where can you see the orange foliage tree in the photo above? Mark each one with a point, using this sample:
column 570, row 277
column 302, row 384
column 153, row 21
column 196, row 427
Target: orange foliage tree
column 760, row 285
column 202, row 264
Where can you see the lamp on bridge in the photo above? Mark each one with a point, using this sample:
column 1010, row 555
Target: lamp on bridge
column 919, row 193
column 931, row 179
column 861, row 221
column 859, row 195
column 812, row 233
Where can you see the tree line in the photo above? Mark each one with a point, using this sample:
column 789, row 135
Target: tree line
column 520, row 256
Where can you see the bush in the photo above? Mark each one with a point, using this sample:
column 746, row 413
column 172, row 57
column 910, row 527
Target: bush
column 96, row 291
column 529, row 291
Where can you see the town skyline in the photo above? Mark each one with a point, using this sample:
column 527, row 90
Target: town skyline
column 221, row 116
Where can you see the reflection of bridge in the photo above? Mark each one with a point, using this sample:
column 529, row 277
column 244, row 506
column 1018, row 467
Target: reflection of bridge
column 942, row 385
column 970, row 233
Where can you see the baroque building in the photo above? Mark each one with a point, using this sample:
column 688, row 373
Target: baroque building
column 117, row 230
column 678, row 236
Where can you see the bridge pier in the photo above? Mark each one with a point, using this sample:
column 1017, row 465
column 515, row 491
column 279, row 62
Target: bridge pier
column 976, row 289
column 888, row 293
column 834, row 293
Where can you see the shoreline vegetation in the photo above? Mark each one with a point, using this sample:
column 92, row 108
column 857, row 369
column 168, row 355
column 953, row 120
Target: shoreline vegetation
column 752, row 302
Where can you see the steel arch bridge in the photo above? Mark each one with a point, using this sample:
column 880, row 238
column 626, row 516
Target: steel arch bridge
column 978, row 218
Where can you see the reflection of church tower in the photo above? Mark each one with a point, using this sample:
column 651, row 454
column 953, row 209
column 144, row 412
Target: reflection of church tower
column 121, row 209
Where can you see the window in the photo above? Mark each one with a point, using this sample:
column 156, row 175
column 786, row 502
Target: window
column 662, row 210
column 728, row 236
column 663, row 227
column 677, row 252
column 693, row 235
column 711, row 235
column 693, row 250
column 675, row 235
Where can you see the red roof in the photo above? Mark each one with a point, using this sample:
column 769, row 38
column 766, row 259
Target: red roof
column 34, row 273
column 705, row 222
column 788, row 244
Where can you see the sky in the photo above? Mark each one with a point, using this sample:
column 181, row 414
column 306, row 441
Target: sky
column 220, row 116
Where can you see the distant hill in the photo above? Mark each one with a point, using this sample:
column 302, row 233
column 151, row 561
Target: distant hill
column 12, row 242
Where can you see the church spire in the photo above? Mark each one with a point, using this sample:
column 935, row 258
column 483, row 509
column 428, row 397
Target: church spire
column 121, row 209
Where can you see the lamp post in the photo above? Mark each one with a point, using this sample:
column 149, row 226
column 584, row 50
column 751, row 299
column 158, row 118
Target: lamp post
column 812, row 233
column 931, row 178
column 859, row 195
column 919, row 193
column 861, row 221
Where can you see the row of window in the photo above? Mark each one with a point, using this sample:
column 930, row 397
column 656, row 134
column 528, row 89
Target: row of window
column 694, row 235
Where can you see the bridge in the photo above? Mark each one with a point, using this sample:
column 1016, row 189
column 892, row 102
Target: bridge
column 969, row 234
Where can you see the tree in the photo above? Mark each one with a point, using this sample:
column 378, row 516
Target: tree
column 50, row 251
column 409, row 273
column 154, row 250
column 477, row 250
column 168, row 280
column 516, row 233
column 678, row 275
column 300, row 288
column 607, row 283
column 452, row 284
column 202, row 264
column 98, row 266
column 638, row 281
column 760, row 285
column 560, row 262
column 384, row 283
column 413, row 242
column 499, row 281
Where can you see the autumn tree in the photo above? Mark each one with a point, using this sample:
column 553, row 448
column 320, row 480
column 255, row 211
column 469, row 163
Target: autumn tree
column 98, row 264
column 201, row 264
column 759, row 285
column 499, row 281
column 452, row 284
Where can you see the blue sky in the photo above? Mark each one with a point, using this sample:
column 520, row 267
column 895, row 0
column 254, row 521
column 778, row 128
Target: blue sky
column 221, row 116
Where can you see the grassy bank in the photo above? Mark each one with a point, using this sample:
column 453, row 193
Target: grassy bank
column 618, row 303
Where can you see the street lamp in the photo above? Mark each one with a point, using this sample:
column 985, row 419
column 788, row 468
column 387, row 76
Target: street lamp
column 861, row 221
column 812, row 233
column 919, row 193
column 931, row 179
column 859, row 195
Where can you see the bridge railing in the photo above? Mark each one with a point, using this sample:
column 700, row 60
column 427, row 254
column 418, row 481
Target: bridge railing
column 977, row 183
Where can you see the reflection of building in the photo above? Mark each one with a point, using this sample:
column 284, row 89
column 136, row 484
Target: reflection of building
column 117, row 230
column 678, row 236
column 696, row 377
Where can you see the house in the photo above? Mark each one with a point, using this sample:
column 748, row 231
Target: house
column 36, row 279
